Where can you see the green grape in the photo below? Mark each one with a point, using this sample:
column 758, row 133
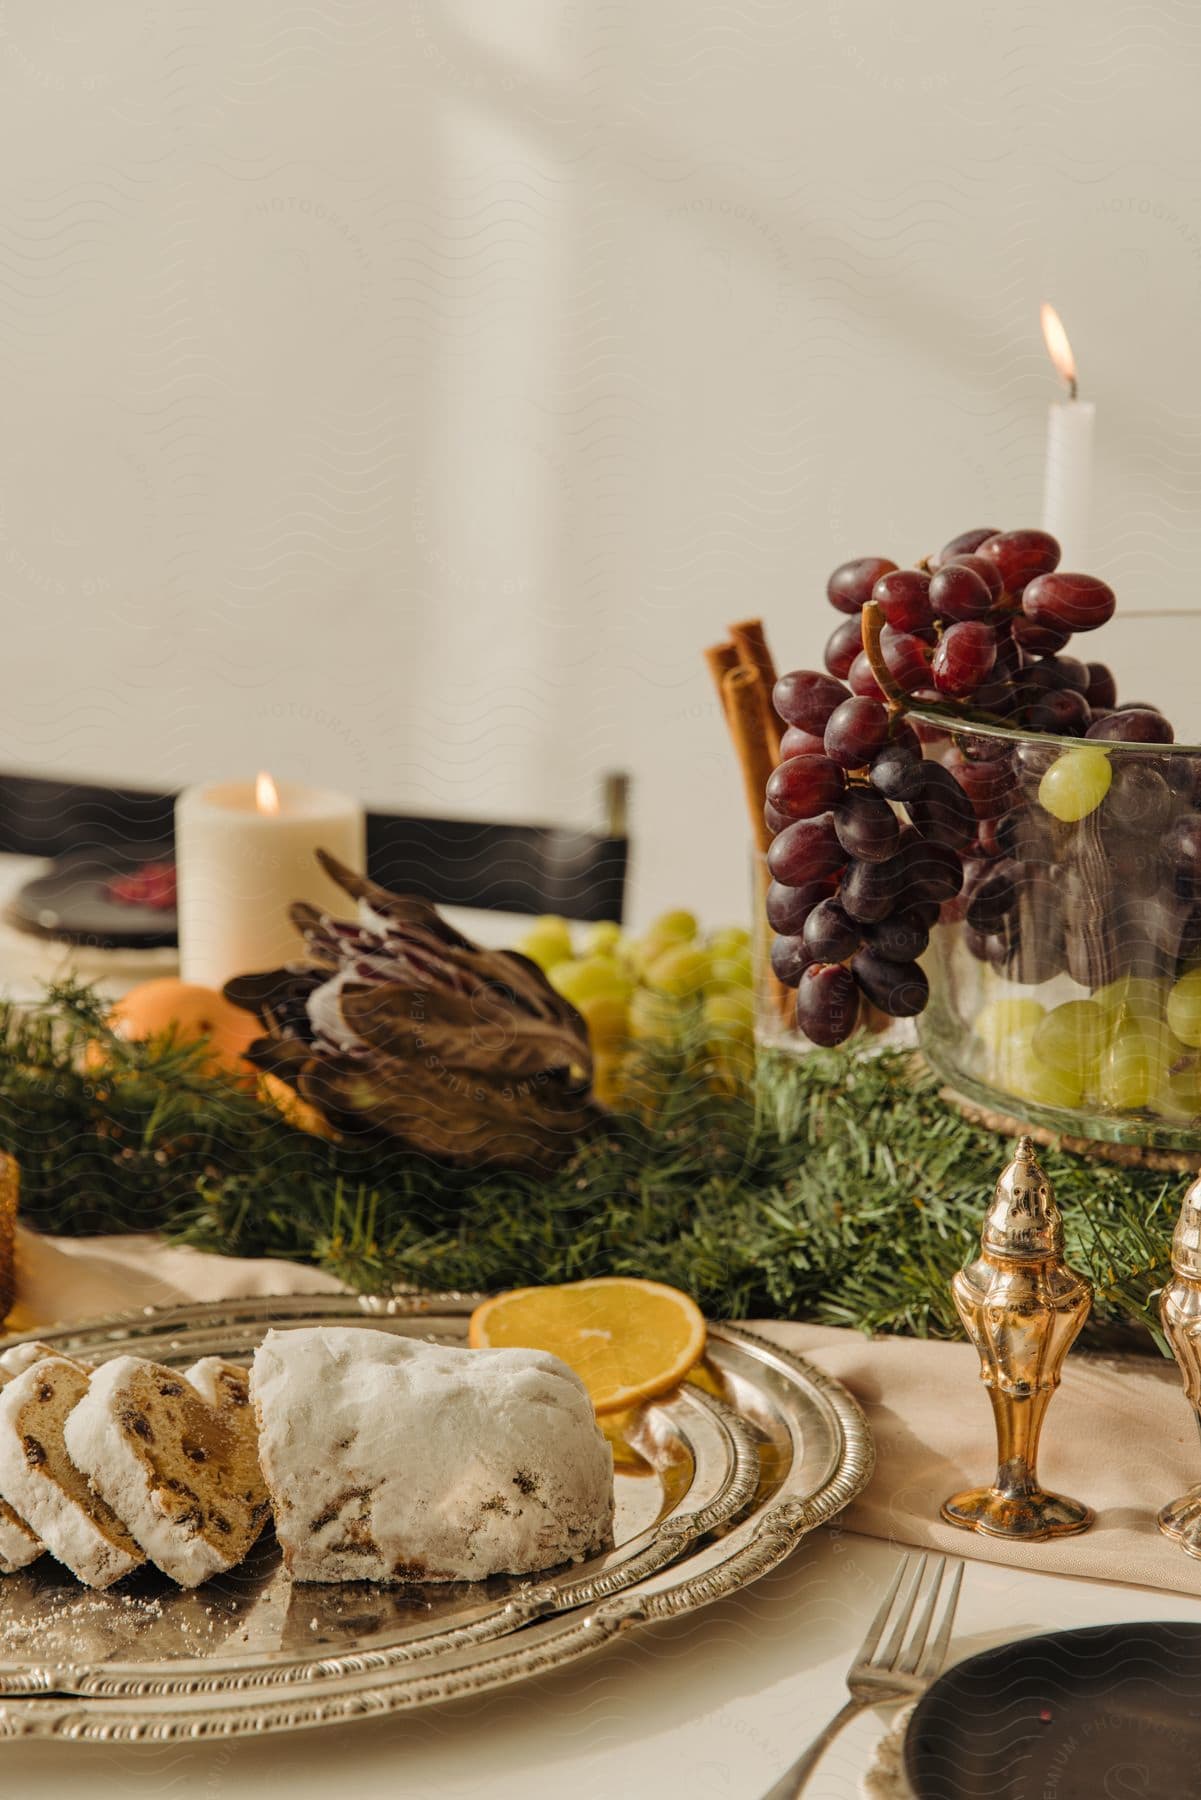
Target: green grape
column 1178, row 1096
column 681, row 972
column 1132, row 997
column 1133, row 1067
column 589, row 977
column 679, row 925
column 1071, row 1038
column 668, row 930
column 1021, row 1071
column 664, row 933
column 730, row 968
column 1184, row 1008
column 1075, row 784
column 547, row 943
column 603, row 939
column 997, row 1021
column 729, row 940
column 730, row 1015
column 607, row 1017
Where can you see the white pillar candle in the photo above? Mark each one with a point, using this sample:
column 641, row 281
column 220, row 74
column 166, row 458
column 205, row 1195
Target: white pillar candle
column 1068, row 479
column 244, row 851
column 1068, row 487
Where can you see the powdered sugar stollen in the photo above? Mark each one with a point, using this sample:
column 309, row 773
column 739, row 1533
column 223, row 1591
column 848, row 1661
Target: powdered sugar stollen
column 390, row 1460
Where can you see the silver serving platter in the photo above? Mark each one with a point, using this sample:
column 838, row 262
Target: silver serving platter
column 714, row 1485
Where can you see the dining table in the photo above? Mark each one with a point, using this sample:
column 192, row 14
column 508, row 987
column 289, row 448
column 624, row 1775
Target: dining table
column 713, row 1705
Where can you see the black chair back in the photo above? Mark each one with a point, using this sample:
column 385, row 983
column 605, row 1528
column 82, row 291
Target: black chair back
column 453, row 862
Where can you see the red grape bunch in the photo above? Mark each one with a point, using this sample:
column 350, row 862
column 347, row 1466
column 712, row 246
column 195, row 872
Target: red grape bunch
column 872, row 840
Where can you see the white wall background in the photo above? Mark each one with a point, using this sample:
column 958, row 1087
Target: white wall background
column 401, row 392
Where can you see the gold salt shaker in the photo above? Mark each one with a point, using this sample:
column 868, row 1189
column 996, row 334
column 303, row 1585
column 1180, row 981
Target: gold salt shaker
column 1023, row 1308
column 1180, row 1315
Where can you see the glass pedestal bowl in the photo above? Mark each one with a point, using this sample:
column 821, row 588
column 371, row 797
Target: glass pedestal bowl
column 1065, row 981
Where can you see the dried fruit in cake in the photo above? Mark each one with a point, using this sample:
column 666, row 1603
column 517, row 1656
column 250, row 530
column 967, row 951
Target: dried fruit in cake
column 19, row 1543
column 39, row 1479
column 181, row 1472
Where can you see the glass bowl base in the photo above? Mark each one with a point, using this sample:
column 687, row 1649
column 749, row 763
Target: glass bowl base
column 1118, row 1137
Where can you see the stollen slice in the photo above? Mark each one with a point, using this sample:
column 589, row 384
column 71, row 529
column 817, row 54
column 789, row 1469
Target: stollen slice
column 225, row 1385
column 19, row 1357
column 181, row 1472
column 42, row 1484
column 19, row 1545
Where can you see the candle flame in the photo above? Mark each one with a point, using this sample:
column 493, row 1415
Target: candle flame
column 1058, row 347
column 266, row 794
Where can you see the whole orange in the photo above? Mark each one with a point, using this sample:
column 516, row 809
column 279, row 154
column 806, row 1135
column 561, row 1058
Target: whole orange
column 168, row 1007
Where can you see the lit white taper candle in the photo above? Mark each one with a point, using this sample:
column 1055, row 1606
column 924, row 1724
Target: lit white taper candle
column 1068, row 482
column 243, row 853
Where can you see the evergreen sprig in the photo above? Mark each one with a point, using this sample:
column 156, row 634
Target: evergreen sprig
column 842, row 1189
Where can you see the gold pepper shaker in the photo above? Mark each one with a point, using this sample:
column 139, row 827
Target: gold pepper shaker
column 1023, row 1308
column 1180, row 1315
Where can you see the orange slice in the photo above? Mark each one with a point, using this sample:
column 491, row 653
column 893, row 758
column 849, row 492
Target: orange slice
column 627, row 1340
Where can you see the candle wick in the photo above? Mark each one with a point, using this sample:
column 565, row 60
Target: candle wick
column 1071, row 387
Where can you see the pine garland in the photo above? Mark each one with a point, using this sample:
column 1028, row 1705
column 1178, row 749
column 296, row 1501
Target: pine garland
column 840, row 1190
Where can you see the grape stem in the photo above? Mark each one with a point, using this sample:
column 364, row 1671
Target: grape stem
column 870, row 628
column 897, row 702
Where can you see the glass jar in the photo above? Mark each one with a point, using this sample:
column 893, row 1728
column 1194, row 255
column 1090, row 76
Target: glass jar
column 1065, row 980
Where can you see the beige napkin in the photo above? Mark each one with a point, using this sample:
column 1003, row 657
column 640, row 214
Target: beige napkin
column 1119, row 1435
column 62, row 1280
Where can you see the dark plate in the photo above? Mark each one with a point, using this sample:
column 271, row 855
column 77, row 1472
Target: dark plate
column 1111, row 1712
column 70, row 902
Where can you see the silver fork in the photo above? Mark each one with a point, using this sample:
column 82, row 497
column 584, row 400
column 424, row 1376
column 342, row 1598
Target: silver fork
column 902, row 1670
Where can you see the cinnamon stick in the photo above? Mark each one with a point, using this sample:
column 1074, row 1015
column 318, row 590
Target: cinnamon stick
column 743, row 700
column 742, row 693
column 750, row 643
column 721, row 658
